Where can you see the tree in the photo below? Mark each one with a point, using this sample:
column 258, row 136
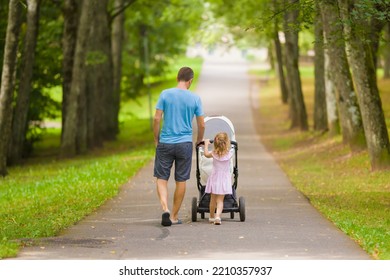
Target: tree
column 386, row 66
column 168, row 34
column 20, row 120
column 331, row 99
column 71, row 143
column 296, row 101
column 279, row 56
column 280, row 68
column 320, row 108
column 71, row 18
column 117, row 23
column 98, row 107
column 351, row 123
column 377, row 11
column 7, row 80
column 361, row 59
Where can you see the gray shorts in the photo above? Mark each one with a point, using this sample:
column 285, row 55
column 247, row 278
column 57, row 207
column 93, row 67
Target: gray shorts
column 166, row 154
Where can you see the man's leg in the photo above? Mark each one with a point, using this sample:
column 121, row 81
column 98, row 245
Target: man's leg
column 178, row 199
column 162, row 191
column 183, row 161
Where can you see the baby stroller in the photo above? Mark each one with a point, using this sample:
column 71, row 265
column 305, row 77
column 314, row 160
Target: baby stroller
column 214, row 125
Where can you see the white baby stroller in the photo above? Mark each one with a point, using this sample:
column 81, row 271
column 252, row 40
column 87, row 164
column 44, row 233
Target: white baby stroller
column 214, row 125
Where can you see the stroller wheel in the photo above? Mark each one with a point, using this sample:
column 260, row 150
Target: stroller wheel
column 241, row 207
column 194, row 209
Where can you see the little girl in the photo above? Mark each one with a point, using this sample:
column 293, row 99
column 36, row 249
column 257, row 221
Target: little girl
column 219, row 182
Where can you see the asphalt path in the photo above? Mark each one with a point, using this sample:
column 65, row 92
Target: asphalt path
column 280, row 222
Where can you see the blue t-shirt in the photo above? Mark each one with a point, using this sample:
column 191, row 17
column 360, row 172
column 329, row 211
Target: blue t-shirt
column 179, row 107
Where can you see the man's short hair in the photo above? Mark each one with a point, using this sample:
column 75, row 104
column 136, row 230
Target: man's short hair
column 185, row 74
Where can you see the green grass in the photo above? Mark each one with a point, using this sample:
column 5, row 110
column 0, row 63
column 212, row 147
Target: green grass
column 41, row 199
column 340, row 184
column 45, row 195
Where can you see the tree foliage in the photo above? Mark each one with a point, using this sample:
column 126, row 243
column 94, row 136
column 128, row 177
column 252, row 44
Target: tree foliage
column 367, row 20
column 167, row 25
column 162, row 26
column 155, row 32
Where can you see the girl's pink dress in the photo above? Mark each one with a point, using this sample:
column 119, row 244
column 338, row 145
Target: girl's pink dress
column 220, row 179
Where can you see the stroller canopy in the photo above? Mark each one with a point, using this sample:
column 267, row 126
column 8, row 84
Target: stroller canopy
column 216, row 124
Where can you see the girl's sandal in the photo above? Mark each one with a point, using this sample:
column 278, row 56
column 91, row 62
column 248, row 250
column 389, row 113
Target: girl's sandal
column 217, row 221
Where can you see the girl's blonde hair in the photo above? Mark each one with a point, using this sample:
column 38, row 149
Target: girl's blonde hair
column 221, row 144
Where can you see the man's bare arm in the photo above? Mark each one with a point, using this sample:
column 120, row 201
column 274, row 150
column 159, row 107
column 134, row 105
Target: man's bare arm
column 156, row 125
column 201, row 128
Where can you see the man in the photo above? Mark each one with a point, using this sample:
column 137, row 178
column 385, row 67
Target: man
column 177, row 108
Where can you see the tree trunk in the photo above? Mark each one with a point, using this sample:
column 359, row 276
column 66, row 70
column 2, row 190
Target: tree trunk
column 297, row 104
column 279, row 57
column 351, row 123
column 71, row 144
column 7, row 80
column 320, row 113
column 386, row 63
column 376, row 26
column 364, row 76
column 71, row 18
column 100, row 79
column 331, row 99
column 20, row 122
column 94, row 110
column 117, row 42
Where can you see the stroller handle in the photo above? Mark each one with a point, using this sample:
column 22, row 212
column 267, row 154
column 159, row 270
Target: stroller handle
column 211, row 141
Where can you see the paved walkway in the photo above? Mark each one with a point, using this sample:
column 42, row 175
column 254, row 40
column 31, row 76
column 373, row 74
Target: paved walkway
column 280, row 222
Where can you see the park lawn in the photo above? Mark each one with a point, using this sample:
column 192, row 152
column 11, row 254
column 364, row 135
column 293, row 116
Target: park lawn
column 46, row 195
column 43, row 197
column 340, row 184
